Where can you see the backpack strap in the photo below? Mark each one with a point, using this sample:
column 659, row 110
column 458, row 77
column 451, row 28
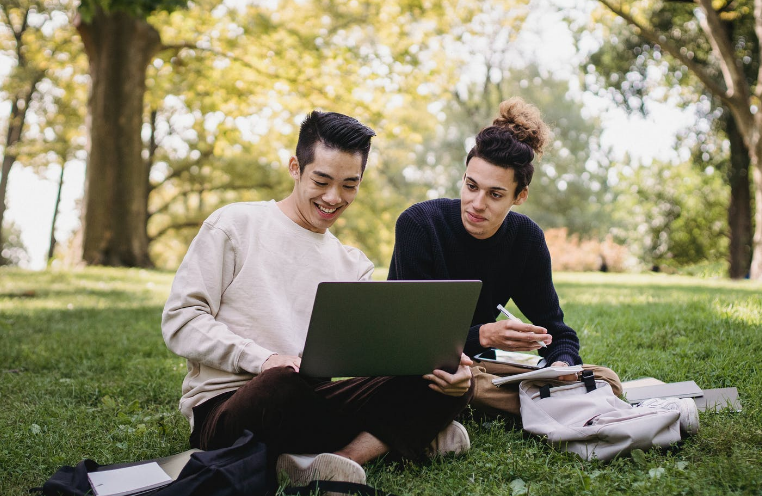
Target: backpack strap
column 545, row 391
column 589, row 379
column 317, row 486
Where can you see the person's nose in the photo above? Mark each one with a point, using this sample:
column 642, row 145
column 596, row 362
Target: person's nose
column 479, row 202
column 332, row 196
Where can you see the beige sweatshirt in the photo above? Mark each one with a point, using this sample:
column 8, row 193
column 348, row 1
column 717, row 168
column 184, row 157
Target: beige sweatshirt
column 244, row 291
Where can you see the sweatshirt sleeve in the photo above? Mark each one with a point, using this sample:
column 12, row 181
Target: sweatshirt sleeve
column 189, row 326
column 538, row 300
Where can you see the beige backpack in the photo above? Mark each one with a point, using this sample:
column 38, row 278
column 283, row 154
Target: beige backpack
column 586, row 418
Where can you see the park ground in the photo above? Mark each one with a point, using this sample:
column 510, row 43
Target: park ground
column 84, row 373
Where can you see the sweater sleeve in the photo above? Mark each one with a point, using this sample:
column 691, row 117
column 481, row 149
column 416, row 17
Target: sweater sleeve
column 473, row 345
column 189, row 326
column 412, row 258
column 538, row 300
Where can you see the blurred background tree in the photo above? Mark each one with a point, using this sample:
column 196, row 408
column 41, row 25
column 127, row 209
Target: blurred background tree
column 633, row 71
column 45, row 87
column 677, row 50
column 202, row 108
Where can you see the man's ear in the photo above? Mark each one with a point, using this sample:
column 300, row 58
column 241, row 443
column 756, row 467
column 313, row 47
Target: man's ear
column 522, row 197
column 293, row 168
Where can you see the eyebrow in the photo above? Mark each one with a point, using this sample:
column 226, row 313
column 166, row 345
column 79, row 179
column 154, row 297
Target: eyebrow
column 495, row 188
column 328, row 176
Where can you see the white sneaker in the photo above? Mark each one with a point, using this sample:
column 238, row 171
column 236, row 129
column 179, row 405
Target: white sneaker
column 453, row 439
column 303, row 469
column 689, row 418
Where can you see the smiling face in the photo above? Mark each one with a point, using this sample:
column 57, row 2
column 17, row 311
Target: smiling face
column 324, row 189
column 487, row 196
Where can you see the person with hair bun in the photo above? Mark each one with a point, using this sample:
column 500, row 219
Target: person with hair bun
column 478, row 237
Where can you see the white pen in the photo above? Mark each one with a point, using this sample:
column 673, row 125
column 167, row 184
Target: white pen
column 514, row 318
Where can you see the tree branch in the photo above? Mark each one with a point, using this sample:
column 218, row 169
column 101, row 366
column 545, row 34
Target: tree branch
column 203, row 189
column 191, row 46
column 672, row 49
column 161, row 232
column 720, row 41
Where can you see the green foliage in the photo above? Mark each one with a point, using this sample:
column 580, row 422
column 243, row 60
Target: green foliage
column 86, row 375
column 229, row 98
column 13, row 251
column 136, row 8
column 673, row 215
column 569, row 188
column 48, row 62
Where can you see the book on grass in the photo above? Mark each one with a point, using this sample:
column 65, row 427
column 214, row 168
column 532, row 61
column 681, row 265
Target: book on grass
column 685, row 389
column 128, row 481
column 643, row 381
column 717, row 400
column 546, row 373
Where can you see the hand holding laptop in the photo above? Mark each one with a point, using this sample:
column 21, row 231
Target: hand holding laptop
column 456, row 384
column 276, row 360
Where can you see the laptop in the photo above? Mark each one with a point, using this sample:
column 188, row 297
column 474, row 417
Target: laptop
column 379, row 328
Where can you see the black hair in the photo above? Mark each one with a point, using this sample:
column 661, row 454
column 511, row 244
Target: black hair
column 333, row 130
column 513, row 140
column 499, row 147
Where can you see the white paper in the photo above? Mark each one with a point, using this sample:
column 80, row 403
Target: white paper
column 546, row 373
column 128, row 480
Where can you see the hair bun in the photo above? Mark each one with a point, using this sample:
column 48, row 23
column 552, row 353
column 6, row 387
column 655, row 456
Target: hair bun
column 525, row 122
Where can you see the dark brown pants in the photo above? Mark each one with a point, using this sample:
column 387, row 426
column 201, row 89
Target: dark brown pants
column 292, row 414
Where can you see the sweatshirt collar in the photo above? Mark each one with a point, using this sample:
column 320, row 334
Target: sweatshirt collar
column 295, row 228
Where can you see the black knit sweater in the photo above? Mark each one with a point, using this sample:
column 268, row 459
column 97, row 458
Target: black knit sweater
column 431, row 243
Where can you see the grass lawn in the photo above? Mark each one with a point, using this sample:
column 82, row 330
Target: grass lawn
column 84, row 373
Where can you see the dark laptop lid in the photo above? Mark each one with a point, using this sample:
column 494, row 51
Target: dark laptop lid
column 375, row 328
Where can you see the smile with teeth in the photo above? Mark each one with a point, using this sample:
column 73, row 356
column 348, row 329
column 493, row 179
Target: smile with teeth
column 326, row 210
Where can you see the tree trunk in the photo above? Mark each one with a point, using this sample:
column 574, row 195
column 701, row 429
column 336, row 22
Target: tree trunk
column 739, row 210
column 119, row 48
column 756, row 257
column 755, row 164
column 52, row 248
column 15, row 126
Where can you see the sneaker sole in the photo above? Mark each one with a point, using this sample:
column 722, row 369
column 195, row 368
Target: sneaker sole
column 690, row 424
column 467, row 444
column 303, row 469
column 463, row 446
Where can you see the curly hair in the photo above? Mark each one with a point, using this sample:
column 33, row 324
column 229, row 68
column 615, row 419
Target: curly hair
column 514, row 139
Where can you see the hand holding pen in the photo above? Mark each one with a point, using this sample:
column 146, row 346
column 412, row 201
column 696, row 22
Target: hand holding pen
column 516, row 319
column 513, row 335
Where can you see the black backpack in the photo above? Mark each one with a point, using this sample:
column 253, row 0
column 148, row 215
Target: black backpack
column 240, row 470
column 235, row 471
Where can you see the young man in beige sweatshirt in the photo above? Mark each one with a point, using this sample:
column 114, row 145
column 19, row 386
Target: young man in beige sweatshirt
column 239, row 310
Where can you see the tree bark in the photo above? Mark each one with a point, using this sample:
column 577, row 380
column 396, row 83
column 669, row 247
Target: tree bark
column 52, row 246
column 119, row 48
column 739, row 209
column 753, row 139
column 755, row 271
column 15, row 127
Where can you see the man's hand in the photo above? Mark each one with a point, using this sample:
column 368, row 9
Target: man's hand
column 456, row 384
column 570, row 377
column 509, row 335
column 276, row 360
